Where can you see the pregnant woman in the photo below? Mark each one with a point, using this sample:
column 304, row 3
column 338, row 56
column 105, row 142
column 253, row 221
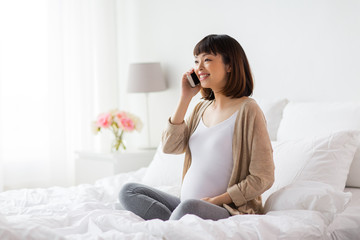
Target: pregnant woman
column 228, row 155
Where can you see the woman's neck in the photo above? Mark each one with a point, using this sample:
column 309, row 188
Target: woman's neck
column 222, row 102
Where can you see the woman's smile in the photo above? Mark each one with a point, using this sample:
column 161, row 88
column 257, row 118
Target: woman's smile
column 203, row 76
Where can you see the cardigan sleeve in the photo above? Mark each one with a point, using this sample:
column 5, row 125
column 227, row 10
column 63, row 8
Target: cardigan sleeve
column 257, row 151
column 174, row 138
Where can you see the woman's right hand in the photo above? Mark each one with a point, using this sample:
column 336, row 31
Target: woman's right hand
column 187, row 92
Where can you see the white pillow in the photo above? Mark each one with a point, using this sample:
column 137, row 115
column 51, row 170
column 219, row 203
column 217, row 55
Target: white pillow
column 164, row 169
column 306, row 119
column 322, row 159
column 353, row 179
column 273, row 110
column 309, row 195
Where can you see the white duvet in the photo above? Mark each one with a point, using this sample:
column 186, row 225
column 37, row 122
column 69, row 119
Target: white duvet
column 92, row 212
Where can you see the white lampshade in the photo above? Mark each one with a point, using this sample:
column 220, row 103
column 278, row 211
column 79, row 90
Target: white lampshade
column 145, row 77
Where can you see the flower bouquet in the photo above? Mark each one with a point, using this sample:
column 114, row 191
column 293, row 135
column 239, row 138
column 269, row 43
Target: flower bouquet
column 118, row 122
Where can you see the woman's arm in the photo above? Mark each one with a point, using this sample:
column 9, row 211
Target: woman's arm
column 178, row 116
column 187, row 93
column 174, row 137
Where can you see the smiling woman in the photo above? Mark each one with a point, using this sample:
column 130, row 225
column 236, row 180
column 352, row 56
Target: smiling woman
column 215, row 69
column 228, row 155
column 231, row 54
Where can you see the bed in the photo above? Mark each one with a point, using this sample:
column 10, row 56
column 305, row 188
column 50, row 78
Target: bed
column 316, row 194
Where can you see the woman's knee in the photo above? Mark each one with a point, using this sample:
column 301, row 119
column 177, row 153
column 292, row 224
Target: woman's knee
column 126, row 192
column 190, row 206
column 199, row 208
column 137, row 198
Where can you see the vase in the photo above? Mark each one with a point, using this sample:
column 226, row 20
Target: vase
column 118, row 144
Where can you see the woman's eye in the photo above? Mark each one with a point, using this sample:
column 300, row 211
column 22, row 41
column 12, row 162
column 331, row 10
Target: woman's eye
column 207, row 60
column 196, row 61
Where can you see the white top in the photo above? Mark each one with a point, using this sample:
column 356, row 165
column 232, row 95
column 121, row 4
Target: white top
column 212, row 162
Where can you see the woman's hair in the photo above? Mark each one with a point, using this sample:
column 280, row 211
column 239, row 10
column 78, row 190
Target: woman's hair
column 240, row 82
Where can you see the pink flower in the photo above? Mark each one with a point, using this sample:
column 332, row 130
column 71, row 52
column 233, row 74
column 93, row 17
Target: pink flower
column 127, row 124
column 104, row 120
column 120, row 115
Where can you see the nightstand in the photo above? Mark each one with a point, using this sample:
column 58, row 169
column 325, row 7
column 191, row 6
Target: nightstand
column 90, row 167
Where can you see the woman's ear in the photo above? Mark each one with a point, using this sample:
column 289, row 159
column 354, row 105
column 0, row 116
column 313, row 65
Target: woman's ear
column 228, row 68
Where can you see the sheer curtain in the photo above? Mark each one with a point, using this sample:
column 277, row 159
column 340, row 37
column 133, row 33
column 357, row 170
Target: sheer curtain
column 58, row 70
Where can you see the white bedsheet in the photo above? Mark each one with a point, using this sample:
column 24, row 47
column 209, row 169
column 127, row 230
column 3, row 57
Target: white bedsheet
column 346, row 226
column 92, row 212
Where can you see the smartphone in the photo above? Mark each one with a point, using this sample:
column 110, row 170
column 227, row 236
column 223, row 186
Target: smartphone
column 193, row 79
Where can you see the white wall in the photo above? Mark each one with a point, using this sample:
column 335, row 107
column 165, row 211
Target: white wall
column 301, row 50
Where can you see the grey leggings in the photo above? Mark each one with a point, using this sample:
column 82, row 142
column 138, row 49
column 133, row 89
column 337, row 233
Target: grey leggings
column 150, row 203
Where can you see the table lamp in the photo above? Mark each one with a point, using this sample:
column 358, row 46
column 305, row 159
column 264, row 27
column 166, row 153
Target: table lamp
column 146, row 78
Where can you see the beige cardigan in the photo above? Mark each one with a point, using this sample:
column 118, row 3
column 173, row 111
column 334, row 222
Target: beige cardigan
column 253, row 169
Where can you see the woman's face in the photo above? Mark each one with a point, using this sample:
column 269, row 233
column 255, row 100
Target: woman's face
column 211, row 70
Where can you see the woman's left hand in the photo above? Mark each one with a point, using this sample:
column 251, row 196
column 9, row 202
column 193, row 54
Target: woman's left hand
column 210, row 200
column 218, row 200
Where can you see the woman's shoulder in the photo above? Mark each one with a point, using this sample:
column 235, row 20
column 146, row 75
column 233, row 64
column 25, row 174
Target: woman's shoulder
column 249, row 104
column 249, row 109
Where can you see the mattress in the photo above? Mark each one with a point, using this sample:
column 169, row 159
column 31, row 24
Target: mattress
column 346, row 225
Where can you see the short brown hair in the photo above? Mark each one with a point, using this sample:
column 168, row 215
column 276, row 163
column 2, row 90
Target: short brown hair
column 240, row 81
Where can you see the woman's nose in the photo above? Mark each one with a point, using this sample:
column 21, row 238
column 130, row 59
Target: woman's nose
column 200, row 66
